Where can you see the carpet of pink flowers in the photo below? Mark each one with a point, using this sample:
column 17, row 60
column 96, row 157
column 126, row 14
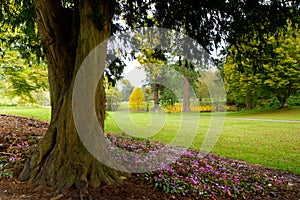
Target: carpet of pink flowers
column 207, row 175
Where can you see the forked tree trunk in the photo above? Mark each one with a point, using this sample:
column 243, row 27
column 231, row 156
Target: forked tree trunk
column 60, row 159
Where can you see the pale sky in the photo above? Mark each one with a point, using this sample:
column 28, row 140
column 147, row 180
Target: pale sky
column 134, row 74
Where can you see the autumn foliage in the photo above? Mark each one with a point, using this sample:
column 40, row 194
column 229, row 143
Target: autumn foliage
column 137, row 100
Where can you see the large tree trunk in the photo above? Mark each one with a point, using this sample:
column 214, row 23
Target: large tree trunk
column 60, row 159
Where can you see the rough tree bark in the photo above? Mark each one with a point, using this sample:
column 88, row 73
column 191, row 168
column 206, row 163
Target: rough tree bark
column 60, row 159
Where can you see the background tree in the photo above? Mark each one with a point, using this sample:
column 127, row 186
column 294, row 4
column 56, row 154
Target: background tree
column 137, row 100
column 244, row 87
column 186, row 88
column 69, row 30
column 214, row 87
column 168, row 98
column 153, row 62
column 113, row 98
column 126, row 90
column 278, row 75
column 184, row 67
column 148, row 96
column 159, row 67
column 283, row 71
column 21, row 77
column 202, row 91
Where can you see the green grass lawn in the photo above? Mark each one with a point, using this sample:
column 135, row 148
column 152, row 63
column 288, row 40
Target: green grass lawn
column 43, row 113
column 290, row 113
column 273, row 144
column 270, row 143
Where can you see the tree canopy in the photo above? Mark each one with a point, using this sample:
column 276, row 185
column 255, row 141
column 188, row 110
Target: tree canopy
column 209, row 22
column 278, row 75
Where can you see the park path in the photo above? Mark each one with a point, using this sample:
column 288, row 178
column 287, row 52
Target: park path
column 264, row 120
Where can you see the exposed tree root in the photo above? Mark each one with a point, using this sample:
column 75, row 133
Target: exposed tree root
column 60, row 166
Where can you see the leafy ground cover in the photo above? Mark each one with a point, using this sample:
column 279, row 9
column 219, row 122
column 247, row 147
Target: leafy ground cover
column 206, row 175
column 192, row 176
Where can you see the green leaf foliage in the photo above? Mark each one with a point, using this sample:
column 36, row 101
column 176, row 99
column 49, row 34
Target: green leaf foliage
column 113, row 98
column 210, row 23
column 253, row 75
column 20, row 77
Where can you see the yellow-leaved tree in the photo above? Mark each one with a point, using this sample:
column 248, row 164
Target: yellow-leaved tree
column 137, row 100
